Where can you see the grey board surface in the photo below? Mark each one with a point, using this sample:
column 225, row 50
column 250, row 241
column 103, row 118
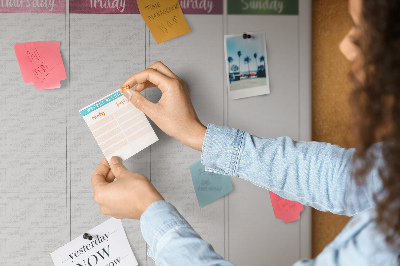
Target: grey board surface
column 49, row 155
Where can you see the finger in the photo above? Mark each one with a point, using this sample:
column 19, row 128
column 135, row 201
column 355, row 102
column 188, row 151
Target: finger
column 110, row 177
column 100, row 174
column 118, row 168
column 142, row 86
column 159, row 80
column 105, row 210
column 160, row 67
column 140, row 102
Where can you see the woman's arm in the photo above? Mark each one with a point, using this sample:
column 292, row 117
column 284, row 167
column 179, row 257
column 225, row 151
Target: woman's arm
column 312, row 173
column 315, row 174
column 172, row 241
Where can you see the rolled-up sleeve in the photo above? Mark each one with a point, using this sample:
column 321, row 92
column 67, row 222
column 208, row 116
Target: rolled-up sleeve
column 312, row 173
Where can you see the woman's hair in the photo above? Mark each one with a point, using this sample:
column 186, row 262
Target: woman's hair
column 375, row 102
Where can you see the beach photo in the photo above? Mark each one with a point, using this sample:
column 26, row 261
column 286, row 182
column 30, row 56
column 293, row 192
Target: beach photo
column 246, row 65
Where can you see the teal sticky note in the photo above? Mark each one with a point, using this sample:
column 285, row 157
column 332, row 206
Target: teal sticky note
column 209, row 186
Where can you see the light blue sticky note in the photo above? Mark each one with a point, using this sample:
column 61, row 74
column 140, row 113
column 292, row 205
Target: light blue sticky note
column 209, row 186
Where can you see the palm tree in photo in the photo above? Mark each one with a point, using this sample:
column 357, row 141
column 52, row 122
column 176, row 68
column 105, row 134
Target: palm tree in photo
column 255, row 60
column 247, row 60
column 230, row 60
column 239, row 53
column 262, row 59
column 234, row 68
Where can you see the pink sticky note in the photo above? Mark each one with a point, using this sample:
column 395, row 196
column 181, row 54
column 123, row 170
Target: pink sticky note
column 284, row 209
column 41, row 63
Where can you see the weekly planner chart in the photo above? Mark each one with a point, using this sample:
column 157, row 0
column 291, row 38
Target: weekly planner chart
column 62, row 64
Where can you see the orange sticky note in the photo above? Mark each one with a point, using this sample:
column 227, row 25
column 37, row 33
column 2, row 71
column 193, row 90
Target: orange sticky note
column 164, row 18
column 288, row 211
column 41, row 63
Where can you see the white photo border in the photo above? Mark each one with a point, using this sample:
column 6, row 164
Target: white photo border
column 248, row 92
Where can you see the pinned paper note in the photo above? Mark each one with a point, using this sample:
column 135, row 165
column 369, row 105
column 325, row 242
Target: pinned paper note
column 209, row 186
column 118, row 126
column 164, row 18
column 108, row 246
column 41, row 63
column 288, row 211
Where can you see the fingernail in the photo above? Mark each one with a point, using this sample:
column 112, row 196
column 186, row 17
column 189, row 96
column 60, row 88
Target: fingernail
column 128, row 94
column 115, row 160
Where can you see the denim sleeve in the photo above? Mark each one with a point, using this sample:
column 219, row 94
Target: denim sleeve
column 172, row 241
column 312, row 173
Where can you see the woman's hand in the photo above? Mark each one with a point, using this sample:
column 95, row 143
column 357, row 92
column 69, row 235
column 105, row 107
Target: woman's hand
column 127, row 197
column 174, row 112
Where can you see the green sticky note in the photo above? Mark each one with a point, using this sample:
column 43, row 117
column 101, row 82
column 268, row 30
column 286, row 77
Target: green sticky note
column 209, row 186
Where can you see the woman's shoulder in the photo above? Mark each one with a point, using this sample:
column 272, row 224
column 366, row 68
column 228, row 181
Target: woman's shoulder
column 366, row 242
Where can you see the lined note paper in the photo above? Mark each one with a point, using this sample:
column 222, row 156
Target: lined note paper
column 118, row 126
column 41, row 63
column 209, row 186
column 108, row 246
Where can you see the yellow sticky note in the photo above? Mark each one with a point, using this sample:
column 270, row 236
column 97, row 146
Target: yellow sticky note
column 164, row 18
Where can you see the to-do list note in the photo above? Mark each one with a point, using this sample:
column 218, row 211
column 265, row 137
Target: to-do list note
column 118, row 126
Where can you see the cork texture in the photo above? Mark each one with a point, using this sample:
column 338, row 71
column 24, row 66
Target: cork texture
column 331, row 89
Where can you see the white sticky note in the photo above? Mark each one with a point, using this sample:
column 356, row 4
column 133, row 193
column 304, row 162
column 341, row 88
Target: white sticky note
column 118, row 126
column 109, row 246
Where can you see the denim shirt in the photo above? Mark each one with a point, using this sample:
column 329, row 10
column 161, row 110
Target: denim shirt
column 312, row 173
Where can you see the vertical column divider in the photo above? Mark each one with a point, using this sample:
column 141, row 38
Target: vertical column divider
column 146, row 59
column 67, row 136
column 225, row 123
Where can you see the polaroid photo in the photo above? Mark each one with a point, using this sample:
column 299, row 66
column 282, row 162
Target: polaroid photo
column 246, row 65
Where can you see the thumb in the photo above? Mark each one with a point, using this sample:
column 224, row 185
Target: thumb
column 117, row 167
column 139, row 101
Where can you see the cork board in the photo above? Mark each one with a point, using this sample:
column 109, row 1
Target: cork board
column 330, row 97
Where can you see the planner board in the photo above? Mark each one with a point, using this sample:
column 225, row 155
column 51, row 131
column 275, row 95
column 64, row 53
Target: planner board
column 49, row 154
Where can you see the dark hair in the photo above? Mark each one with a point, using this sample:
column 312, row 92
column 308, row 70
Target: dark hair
column 375, row 103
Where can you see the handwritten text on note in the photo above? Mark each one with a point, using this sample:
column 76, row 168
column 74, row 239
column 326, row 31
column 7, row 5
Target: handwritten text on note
column 164, row 19
column 41, row 63
column 288, row 211
column 209, row 186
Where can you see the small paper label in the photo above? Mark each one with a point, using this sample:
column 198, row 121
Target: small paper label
column 109, row 246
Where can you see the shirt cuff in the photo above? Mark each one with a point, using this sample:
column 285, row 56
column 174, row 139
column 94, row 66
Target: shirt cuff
column 158, row 219
column 222, row 148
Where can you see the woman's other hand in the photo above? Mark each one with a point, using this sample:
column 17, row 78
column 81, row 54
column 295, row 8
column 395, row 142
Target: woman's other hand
column 127, row 197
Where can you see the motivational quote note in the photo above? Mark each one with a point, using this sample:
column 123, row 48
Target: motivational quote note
column 164, row 19
column 118, row 126
column 41, row 63
column 288, row 211
column 209, row 186
column 109, row 246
